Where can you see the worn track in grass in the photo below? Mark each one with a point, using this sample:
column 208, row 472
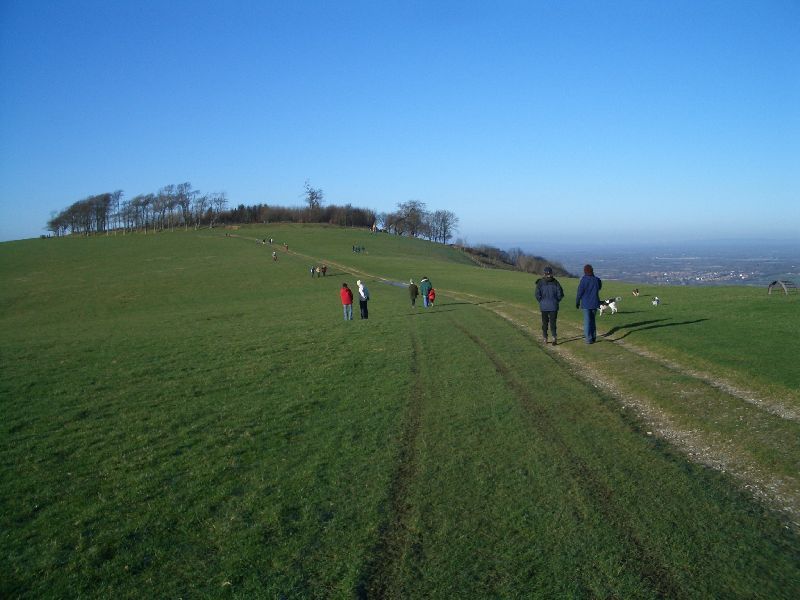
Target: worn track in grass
column 396, row 537
column 698, row 445
column 594, row 490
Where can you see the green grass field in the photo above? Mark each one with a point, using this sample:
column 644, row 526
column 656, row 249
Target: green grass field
column 184, row 417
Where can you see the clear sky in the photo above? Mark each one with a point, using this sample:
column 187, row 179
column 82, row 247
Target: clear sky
column 534, row 121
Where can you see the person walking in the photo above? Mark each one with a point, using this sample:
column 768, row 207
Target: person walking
column 425, row 289
column 588, row 298
column 549, row 293
column 363, row 298
column 347, row 302
column 413, row 291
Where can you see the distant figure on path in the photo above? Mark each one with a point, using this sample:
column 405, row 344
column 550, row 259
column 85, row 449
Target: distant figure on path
column 274, row 255
column 363, row 298
column 413, row 291
column 312, row 272
column 324, row 270
column 431, row 297
column 425, row 289
column 347, row 302
column 549, row 293
column 588, row 298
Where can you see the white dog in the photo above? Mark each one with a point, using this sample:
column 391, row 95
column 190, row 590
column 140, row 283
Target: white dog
column 610, row 304
column 656, row 301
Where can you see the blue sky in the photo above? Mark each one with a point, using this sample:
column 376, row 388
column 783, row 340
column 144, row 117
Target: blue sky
column 536, row 122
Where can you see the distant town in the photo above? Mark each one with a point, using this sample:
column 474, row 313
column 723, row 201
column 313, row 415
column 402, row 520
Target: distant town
column 706, row 264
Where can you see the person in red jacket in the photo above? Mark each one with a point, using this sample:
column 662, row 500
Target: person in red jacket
column 347, row 302
column 431, row 296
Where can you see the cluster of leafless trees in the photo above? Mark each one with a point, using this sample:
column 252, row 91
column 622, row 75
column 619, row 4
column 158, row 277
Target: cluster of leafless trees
column 182, row 206
column 413, row 219
column 513, row 259
column 172, row 206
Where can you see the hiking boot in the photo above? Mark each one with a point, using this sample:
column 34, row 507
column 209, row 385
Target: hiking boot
column 544, row 339
column 555, row 341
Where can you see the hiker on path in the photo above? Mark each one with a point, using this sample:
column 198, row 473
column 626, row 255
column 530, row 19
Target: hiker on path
column 425, row 289
column 324, row 270
column 312, row 272
column 588, row 298
column 549, row 293
column 347, row 302
column 413, row 291
column 274, row 255
column 363, row 298
column 431, row 297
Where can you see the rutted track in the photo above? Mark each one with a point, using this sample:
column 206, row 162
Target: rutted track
column 595, row 491
column 698, row 446
column 396, row 537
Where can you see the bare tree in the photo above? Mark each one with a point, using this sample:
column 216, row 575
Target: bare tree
column 184, row 194
column 115, row 199
column 218, row 203
column 199, row 208
column 444, row 224
column 313, row 196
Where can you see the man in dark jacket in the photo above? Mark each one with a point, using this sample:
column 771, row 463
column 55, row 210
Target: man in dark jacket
column 549, row 293
column 413, row 292
column 588, row 298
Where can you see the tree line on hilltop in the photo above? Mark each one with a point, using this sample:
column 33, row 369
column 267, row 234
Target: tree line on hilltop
column 175, row 206
column 514, row 259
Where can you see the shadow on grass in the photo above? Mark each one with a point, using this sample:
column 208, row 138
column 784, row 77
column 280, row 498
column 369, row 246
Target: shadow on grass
column 645, row 325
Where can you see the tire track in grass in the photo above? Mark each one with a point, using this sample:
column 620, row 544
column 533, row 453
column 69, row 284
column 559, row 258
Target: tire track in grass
column 395, row 535
column 597, row 493
column 703, row 447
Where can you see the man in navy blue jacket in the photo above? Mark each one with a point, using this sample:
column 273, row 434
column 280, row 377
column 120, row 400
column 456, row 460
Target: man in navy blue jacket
column 588, row 298
column 549, row 293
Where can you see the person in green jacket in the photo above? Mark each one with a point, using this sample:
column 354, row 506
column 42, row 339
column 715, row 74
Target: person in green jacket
column 424, row 288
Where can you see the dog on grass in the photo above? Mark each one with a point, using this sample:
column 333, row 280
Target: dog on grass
column 636, row 291
column 656, row 301
column 610, row 304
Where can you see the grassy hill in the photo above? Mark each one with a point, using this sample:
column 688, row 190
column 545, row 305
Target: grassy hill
column 184, row 417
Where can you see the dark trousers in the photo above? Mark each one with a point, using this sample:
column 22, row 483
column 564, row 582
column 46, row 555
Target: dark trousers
column 362, row 304
column 549, row 318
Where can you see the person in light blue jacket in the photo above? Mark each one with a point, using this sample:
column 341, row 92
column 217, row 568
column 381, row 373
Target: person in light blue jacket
column 588, row 298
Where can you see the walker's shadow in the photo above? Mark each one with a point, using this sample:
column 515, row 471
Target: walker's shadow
column 644, row 326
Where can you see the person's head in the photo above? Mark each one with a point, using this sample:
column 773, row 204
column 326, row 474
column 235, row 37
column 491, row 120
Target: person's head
column 588, row 270
column 358, row 283
column 344, row 285
column 548, row 271
column 411, row 281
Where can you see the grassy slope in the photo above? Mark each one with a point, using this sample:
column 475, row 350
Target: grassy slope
column 185, row 417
